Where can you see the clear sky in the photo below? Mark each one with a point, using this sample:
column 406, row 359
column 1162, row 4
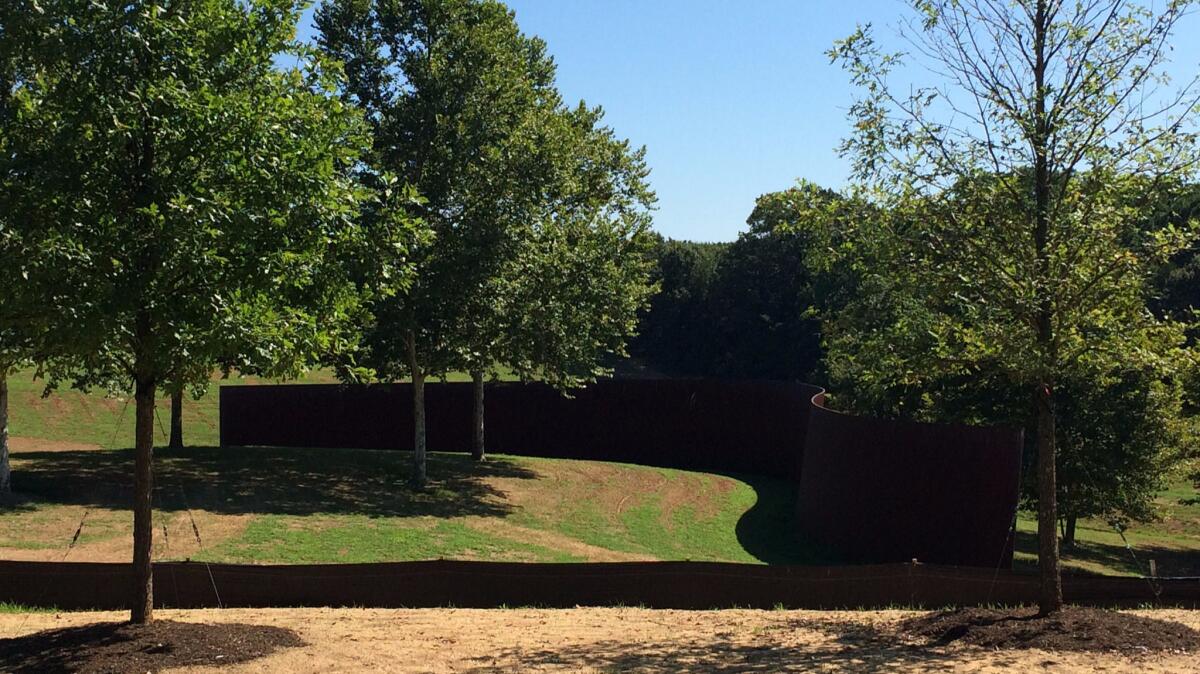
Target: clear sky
column 732, row 99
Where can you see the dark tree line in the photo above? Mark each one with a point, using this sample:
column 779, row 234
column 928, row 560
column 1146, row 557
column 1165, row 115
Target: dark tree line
column 745, row 309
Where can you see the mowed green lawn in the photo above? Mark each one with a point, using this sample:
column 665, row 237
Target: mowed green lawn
column 94, row 418
column 1173, row 541
column 291, row 506
column 307, row 505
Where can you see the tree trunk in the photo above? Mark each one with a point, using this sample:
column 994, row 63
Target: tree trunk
column 5, row 468
column 1068, row 540
column 176, row 441
column 418, row 382
column 142, row 610
column 477, row 448
column 1050, row 597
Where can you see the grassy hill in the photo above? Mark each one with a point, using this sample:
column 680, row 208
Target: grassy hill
column 307, row 505
column 273, row 505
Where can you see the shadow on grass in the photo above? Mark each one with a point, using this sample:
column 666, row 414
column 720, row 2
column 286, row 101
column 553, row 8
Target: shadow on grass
column 769, row 530
column 238, row 480
column 1116, row 558
column 845, row 646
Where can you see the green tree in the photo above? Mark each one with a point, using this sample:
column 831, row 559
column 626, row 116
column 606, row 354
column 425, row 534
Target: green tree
column 450, row 88
column 569, row 299
column 676, row 332
column 13, row 318
column 33, row 287
column 1120, row 424
column 768, row 295
column 205, row 183
column 1013, row 186
column 751, row 308
column 1178, row 282
column 1121, row 433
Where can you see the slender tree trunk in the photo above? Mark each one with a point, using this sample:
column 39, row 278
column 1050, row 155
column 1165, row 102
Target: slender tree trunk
column 5, row 468
column 1068, row 540
column 142, row 610
column 477, row 447
column 1050, row 598
column 419, row 478
column 176, row 441
column 1049, row 566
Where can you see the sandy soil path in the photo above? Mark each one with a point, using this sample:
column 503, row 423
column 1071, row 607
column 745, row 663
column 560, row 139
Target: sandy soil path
column 618, row 640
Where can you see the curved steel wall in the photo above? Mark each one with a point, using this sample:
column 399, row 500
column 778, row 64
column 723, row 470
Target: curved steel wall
column 870, row 490
column 883, row 491
column 696, row 424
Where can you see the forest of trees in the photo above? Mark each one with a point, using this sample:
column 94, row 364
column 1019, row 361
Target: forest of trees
column 746, row 309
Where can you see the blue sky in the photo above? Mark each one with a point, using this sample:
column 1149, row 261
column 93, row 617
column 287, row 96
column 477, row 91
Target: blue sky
column 731, row 99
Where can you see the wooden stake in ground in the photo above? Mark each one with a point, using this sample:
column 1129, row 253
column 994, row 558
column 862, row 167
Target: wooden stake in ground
column 5, row 467
column 176, row 441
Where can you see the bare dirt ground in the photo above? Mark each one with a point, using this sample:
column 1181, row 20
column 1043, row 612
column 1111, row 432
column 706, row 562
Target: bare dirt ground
column 619, row 640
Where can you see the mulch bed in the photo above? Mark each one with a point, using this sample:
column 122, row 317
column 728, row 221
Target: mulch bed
column 1071, row 629
column 122, row 648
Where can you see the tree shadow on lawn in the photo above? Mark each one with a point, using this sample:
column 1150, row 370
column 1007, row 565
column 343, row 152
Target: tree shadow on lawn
column 260, row 480
column 847, row 646
column 1170, row 561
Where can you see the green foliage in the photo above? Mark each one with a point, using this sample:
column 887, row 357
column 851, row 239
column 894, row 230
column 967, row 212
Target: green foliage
column 1178, row 283
column 1121, row 434
column 32, row 291
column 676, row 333
column 447, row 87
column 202, row 184
column 539, row 213
column 750, row 308
column 769, row 292
column 571, row 295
